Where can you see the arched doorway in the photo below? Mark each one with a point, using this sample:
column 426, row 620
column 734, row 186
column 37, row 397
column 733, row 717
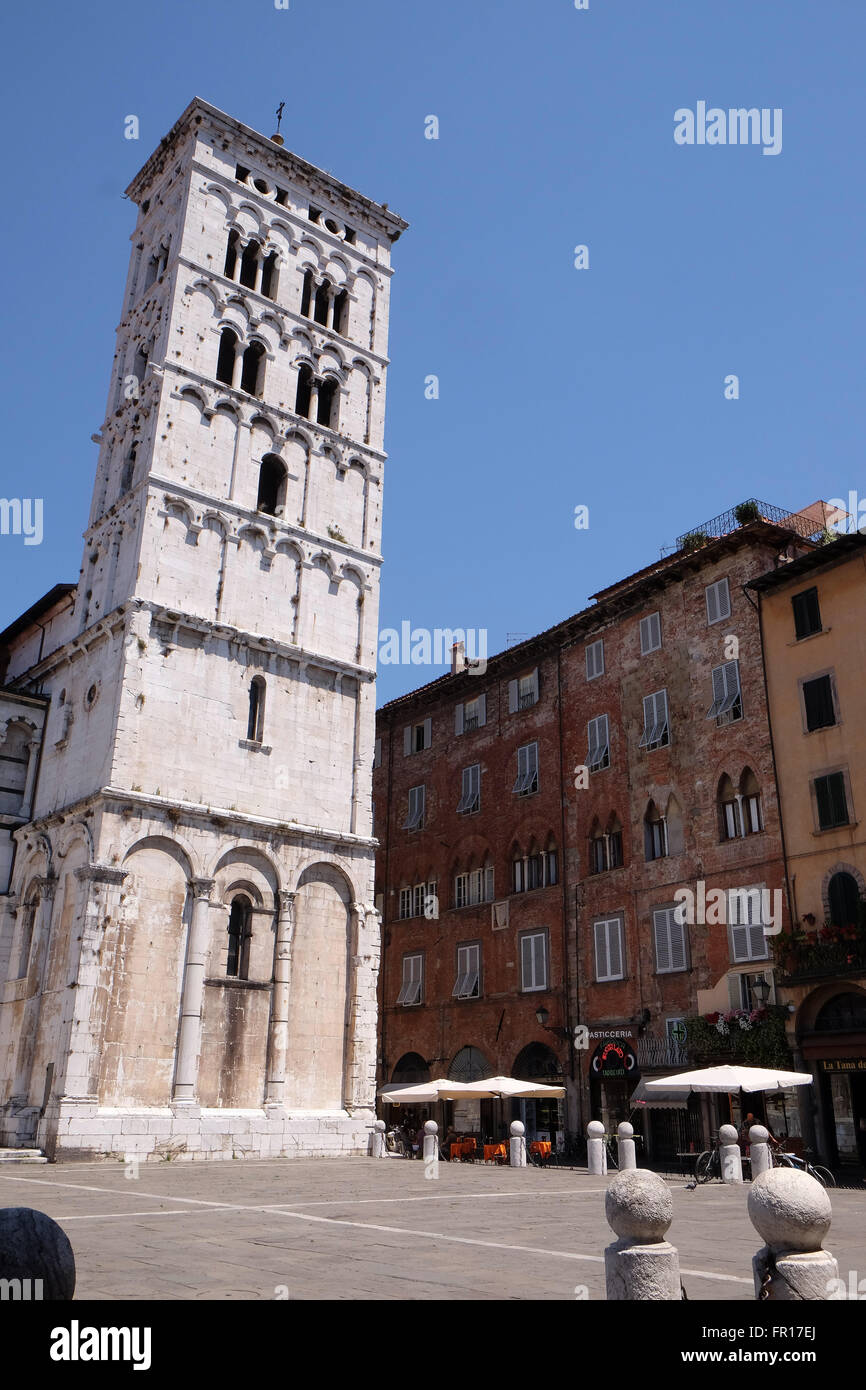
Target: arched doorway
column 542, row 1118
column 474, row 1118
column 832, row 1031
column 410, row 1068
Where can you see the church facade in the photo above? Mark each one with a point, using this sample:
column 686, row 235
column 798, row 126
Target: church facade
column 189, row 947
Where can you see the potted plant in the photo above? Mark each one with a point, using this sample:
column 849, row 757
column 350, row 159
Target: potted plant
column 747, row 511
column 694, row 540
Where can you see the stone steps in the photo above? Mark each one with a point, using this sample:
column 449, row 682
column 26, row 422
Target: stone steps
column 22, row 1156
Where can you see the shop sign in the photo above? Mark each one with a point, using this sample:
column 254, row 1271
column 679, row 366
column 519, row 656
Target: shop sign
column 614, row 1059
column 843, row 1064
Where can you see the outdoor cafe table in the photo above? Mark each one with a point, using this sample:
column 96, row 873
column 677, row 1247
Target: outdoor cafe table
column 494, row 1151
column 540, row 1146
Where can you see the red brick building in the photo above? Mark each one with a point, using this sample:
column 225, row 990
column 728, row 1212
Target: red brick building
column 543, row 813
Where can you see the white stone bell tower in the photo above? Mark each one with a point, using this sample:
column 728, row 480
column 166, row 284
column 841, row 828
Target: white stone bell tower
column 200, row 850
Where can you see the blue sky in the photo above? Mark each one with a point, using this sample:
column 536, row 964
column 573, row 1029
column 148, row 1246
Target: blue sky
column 558, row 387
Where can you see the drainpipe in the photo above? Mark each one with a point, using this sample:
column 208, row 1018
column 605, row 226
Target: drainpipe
column 563, row 885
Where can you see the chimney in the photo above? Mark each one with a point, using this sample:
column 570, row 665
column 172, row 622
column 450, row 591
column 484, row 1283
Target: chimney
column 458, row 658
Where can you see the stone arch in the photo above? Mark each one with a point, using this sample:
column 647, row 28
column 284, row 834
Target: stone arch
column 411, row 1067
column 536, row 1062
column 842, row 867
column 811, row 1007
column 173, row 846
column 469, row 1064
column 319, row 995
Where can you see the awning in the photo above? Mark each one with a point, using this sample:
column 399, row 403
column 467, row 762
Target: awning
column 659, row 1100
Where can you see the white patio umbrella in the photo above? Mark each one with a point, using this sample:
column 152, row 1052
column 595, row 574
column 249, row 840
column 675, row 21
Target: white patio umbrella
column 506, row 1087
column 730, row 1078
column 426, row 1092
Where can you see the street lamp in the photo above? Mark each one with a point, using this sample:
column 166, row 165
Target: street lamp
column 542, row 1015
column 761, row 988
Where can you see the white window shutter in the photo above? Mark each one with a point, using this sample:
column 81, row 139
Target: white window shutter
column 488, row 883
column 663, row 952
column 428, row 732
column 739, row 939
column 602, row 970
column 512, row 696
column 757, row 941
column 534, row 683
column 712, row 604
column 458, row 718
column 614, row 946
column 539, row 973
column 526, row 961
column 482, row 710
column 407, row 740
column 678, row 942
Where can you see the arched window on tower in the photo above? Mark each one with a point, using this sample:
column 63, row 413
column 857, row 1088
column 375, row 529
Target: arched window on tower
column 750, row 800
column 250, row 264
column 252, row 371
column 240, row 935
column 127, row 472
column 655, row 833
column 232, row 250
column 323, row 297
column 307, row 293
column 341, row 313
column 256, row 718
column 729, row 810
column 270, row 276
column 844, row 899
column 304, row 394
column 272, row 486
column 226, row 359
column 328, row 403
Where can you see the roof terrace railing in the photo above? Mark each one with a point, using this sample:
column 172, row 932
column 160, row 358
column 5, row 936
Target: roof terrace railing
column 799, row 522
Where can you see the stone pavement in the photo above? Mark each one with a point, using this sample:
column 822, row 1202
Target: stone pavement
column 360, row 1228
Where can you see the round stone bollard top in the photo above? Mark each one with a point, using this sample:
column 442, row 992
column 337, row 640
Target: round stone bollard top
column 379, row 1126
column 517, row 1128
column 33, row 1246
column 431, row 1127
column 625, row 1130
column 790, row 1209
column 758, row 1134
column 595, row 1129
column 639, row 1206
column 728, row 1134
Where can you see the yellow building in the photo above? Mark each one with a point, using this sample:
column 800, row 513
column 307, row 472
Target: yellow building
column 813, row 633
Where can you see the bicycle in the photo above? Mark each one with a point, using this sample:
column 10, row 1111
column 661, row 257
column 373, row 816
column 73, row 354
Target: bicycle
column 815, row 1170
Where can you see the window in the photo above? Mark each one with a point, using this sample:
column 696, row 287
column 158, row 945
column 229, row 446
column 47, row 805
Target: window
column 748, row 941
column 729, row 809
column 605, row 847
column 718, row 602
column 256, row 718
column 598, row 740
column 655, row 833
column 250, row 265
column 831, row 799
column 328, row 413
column 272, row 486
column 269, row 276
column 527, row 770
column 231, row 255
column 535, row 870
column 523, row 692
column 307, row 294
column 670, row 941
column 418, row 901
column 470, row 715
column 595, row 659
column 656, row 733
column 415, row 818
column 475, row 887
column 533, row 961
column 470, row 799
column 650, row 633
column 467, row 984
column 843, row 896
column 608, row 949
column 807, row 614
column 727, row 703
column 320, row 308
column 818, row 703
column 417, row 737
column 413, row 978
column 304, row 393
column 240, row 935
column 341, row 312
column 252, row 370
column 748, row 995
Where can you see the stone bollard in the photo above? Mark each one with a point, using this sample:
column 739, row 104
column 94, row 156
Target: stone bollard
column 517, row 1145
column 625, row 1146
column 430, row 1151
column 641, row 1265
column 759, row 1150
column 791, row 1210
column 379, row 1148
column 729, row 1155
column 35, row 1252
column 596, row 1154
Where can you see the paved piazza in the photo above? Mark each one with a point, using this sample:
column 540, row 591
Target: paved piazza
column 377, row 1229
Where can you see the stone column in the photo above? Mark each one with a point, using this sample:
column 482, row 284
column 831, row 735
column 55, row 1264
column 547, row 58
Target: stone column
column 314, row 401
column 33, row 748
column 8, row 921
column 759, row 1151
column 29, row 1031
column 360, row 1084
column 730, row 1158
column 791, row 1210
column 192, row 1000
column 278, row 1032
column 625, row 1146
column 595, row 1150
column 517, row 1146
column 640, row 1265
column 78, row 1077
